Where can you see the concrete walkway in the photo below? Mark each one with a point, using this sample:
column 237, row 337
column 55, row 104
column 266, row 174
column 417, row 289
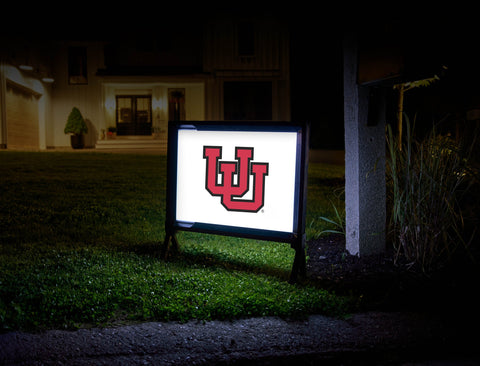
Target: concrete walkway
column 373, row 338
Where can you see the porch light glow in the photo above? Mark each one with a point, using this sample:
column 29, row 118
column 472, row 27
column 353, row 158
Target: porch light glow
column 157, row 103
column 110, row 103
column 25, row 67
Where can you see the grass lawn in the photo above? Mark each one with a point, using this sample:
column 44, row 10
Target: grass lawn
column 80, row 235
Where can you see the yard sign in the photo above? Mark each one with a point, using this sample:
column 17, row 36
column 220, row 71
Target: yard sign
column 238, row 179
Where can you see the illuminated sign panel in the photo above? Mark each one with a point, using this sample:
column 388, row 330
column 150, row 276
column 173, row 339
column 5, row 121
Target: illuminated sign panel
column 238, row 179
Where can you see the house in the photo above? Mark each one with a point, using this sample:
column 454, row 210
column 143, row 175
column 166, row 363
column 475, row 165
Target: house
column 135, row 81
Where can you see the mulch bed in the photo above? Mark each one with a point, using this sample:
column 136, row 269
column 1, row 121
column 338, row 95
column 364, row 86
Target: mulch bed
column 379, row 284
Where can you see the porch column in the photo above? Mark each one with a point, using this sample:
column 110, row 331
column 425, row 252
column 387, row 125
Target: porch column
column 365, row 196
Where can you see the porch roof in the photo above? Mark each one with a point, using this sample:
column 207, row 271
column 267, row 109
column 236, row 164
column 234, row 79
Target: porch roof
column 150, row 71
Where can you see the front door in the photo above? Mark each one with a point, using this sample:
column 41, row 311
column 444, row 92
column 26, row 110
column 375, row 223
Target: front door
column 134, row 115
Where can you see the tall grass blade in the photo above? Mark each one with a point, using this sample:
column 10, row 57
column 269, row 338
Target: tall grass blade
column 426, row 180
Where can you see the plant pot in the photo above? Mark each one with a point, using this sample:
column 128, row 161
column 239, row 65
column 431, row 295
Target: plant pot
column 77, row 141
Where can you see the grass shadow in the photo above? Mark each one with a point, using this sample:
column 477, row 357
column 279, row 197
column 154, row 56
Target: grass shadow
column 212, row 260
column 150, row 249
column 155, row 249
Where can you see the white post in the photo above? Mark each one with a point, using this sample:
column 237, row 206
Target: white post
column 365, row 196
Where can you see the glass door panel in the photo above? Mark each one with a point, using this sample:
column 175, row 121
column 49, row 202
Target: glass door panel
column 134, row 115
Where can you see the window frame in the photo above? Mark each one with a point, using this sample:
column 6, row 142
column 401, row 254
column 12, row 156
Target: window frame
column 77, row 65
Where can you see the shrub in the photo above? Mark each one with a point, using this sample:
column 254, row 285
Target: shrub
column 426, row 180
column 75, row 123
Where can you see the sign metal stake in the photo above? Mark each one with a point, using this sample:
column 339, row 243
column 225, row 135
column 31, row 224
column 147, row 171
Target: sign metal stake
column 299, row 267
column 170, row 237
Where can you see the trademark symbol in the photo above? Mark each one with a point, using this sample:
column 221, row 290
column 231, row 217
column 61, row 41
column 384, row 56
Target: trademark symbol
column 263, row 211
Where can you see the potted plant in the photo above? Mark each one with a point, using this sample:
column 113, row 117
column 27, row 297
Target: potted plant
column 77, row 127
column 112, row 133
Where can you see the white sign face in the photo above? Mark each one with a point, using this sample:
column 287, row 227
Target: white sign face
column 237, row 178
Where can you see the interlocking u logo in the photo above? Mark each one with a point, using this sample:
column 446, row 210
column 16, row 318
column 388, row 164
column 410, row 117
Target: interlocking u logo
column 242, row 168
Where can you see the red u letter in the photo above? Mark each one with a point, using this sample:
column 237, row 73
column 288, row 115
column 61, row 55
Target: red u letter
column 241, row 168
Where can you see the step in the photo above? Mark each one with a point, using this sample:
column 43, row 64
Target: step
column 132, row 143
